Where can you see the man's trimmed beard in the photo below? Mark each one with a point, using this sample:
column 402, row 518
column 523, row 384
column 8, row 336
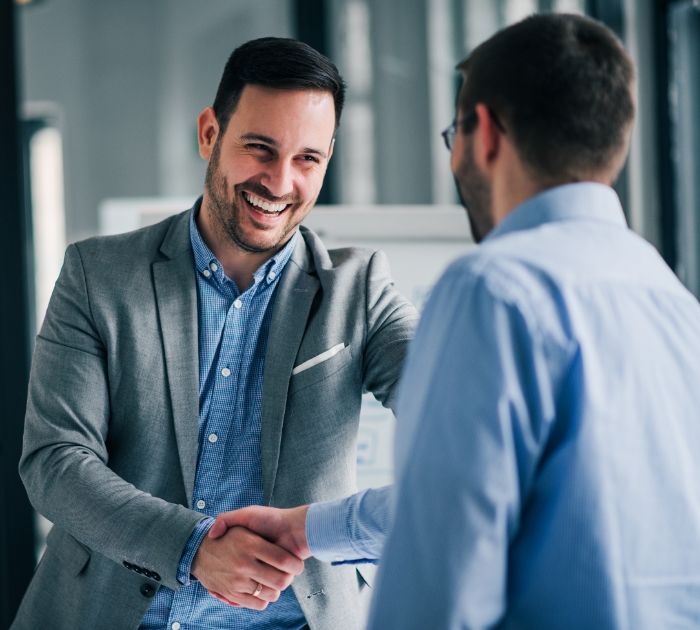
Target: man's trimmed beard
column 226, row 212
column 474, row 193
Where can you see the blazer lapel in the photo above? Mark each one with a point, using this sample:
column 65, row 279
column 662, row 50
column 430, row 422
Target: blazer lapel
column 295, row 293
column 176, row 295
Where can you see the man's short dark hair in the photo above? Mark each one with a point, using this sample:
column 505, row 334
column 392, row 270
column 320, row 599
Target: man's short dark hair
column 562, row 83
column 276, row 62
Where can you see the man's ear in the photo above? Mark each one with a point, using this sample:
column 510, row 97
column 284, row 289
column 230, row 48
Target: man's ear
column 487, row 139
column 207, row 132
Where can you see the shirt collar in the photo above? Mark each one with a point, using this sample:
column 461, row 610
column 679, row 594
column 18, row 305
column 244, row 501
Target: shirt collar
column 583, row 201
column 207, row 264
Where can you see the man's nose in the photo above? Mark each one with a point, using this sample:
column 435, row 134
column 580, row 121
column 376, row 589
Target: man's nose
column 279, row 178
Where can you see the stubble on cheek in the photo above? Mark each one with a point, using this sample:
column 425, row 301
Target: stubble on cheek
column 475, row 194
column 226, row 204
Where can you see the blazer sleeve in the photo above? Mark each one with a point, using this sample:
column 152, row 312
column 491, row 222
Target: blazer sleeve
column 391, row 324
column 64, row 463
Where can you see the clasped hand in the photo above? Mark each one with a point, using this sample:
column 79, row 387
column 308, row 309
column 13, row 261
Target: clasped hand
column 250, row 547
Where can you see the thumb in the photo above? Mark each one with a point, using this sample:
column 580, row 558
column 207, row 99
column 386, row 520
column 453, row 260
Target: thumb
column 224, row 521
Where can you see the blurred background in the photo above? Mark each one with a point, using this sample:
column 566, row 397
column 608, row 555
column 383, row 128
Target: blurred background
column 98, row 108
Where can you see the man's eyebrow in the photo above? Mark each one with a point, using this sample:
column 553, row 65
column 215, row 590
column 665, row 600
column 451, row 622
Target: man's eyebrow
column 273, row 143
column 323, row 154
column 259, row 136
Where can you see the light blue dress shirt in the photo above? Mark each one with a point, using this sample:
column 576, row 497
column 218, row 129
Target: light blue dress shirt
column 233, row 332
column 548, row 440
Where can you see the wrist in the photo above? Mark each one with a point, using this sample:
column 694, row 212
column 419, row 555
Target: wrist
column 186, row 568
column 194, row 567
column 299, row 531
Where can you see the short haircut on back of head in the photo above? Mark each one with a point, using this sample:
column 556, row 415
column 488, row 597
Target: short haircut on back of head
column 280, row 63
column 563, row 85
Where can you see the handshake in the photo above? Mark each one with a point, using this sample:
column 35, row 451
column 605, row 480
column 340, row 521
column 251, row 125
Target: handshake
column 251, row 555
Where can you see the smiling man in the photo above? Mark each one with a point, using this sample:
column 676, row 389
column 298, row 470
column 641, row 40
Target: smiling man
column 211, row 362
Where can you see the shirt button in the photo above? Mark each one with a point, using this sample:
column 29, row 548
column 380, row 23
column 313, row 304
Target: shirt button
column 272, row 275
column 201, row 505
column 238, row 304
column 338, row 559
column 214, row 266
column 175, row 626
column 225, row 372
column 213, row 437
column 206, row 273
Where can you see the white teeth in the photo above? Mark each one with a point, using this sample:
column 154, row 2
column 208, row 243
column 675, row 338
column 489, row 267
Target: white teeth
column 264, row 205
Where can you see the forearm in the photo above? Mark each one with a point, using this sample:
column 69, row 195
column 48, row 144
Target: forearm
column 350, row 529
column 64, row 468
column 81, row 495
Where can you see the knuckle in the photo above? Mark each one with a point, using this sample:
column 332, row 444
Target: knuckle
column 282, row 582
column 244, row 567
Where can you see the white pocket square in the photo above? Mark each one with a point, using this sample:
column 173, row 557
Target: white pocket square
column 320, row 358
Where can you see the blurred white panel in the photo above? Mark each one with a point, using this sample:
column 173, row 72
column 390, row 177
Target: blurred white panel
column 117, row 216
column 442, row 97
column 516, row 10
column 480, row 21
column 375, row 445
column 570, row 6
column 357, row 51
column 48, row 213
column 357, row 145
column 336, row 224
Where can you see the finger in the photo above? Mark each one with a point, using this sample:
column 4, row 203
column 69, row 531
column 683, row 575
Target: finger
column 266, row 593
column 221, row 598
column 218, row 529
column 278, row 558
column 261, row 573
column 247, row 601
column 226, row 520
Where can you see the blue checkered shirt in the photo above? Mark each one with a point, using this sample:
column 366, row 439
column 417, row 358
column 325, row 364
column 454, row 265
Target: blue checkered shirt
column 233, row 331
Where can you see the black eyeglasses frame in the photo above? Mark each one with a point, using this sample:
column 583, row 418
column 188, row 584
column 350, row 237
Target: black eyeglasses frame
column 468, row 123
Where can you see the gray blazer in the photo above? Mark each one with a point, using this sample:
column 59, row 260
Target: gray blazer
column 110, row 442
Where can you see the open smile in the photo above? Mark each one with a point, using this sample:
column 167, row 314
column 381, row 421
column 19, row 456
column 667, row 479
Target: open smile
column 265, row 208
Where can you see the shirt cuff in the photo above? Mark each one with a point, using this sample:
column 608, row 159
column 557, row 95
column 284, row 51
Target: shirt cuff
column 196, row 538
column 327, row 532
column 350, row 530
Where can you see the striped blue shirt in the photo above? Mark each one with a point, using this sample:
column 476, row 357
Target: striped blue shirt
column 233, row 332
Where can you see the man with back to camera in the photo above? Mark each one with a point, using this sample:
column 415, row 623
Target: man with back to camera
column 212, row 361
column 548, row 459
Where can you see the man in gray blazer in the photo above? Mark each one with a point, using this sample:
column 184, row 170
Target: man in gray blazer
column 209, row 362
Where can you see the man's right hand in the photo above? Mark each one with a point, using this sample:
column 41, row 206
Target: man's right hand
column 232, row 566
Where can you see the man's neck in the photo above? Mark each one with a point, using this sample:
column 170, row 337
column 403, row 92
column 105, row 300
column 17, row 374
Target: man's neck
column 239, row 265
column 514, row 182
column 515, row 186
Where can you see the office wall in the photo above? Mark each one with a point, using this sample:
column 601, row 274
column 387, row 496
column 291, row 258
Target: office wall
column 125, row 82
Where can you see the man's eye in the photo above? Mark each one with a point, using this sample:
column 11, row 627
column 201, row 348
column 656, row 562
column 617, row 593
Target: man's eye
column 309, row 158
column 259, row 147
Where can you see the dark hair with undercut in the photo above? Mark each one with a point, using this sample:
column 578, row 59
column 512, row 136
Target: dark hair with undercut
column 280, row 63
column 562, row 83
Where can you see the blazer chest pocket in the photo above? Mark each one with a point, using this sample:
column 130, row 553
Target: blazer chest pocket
column 319, row 368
